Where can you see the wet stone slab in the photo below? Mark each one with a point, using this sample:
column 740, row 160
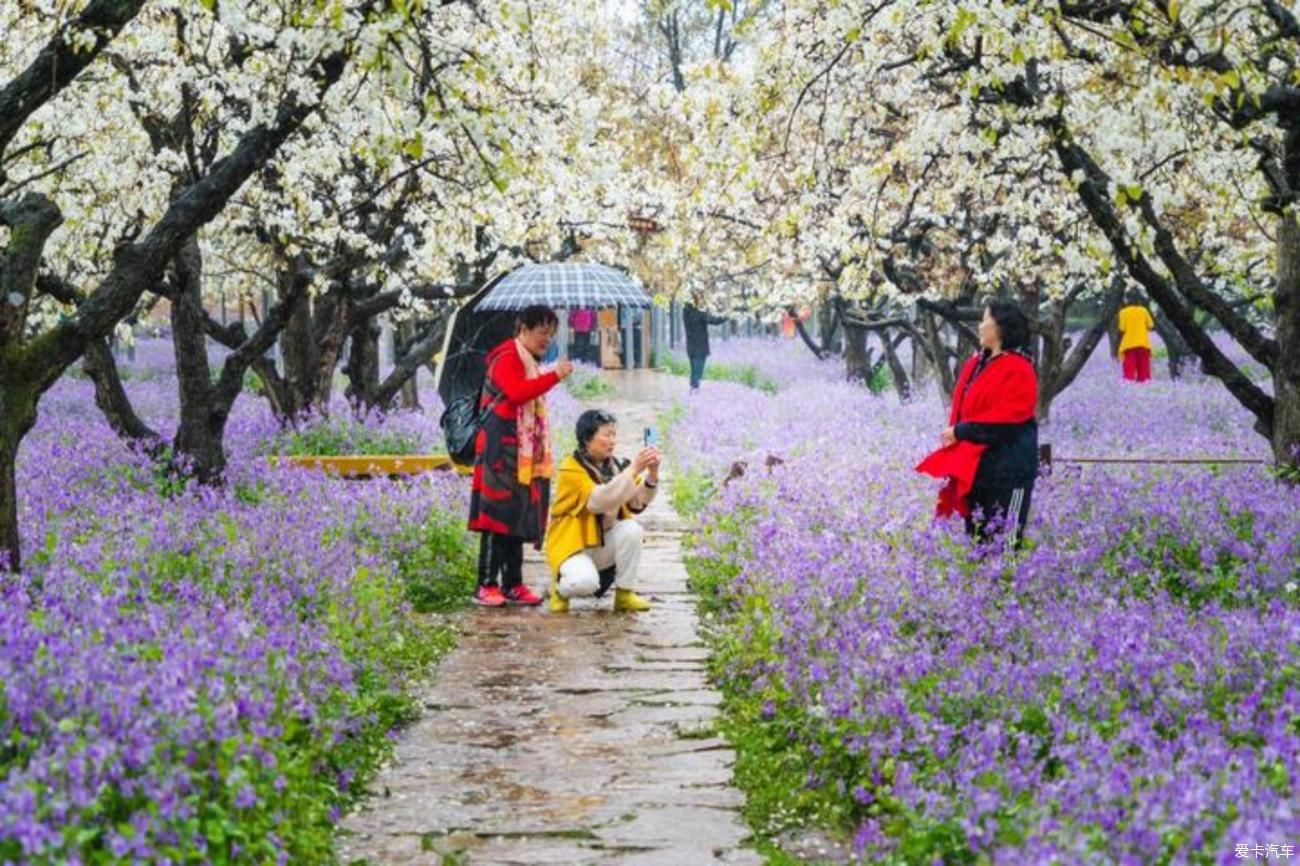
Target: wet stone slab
column 584, row 738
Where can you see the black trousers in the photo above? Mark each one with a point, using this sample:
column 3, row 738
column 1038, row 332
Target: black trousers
column 998, row 509
column 500, row 557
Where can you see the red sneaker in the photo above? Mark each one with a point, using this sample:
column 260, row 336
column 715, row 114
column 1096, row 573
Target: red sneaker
column 489, row 596
column 522, row 595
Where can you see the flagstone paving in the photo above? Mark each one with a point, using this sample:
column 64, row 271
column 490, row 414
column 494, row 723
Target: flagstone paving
column 580, row 738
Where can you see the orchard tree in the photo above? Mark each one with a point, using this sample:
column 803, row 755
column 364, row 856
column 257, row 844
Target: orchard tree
column 1171, row 130
column 71, row 156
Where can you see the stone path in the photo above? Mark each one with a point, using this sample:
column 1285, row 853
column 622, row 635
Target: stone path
column 583, row 738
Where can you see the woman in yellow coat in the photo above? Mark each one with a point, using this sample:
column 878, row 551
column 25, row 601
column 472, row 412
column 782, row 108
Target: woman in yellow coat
column 593, row 540
column 1135, row 323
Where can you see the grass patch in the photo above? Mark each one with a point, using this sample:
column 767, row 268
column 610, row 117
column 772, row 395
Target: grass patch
column 336, row 439
column 586, row 384
column 743, row 374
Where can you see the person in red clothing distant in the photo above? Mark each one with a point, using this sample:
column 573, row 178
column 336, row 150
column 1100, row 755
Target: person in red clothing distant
column 511, row 490
column 989, row 452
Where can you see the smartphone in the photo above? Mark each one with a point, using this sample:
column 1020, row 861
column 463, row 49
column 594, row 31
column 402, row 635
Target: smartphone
column 651, row 438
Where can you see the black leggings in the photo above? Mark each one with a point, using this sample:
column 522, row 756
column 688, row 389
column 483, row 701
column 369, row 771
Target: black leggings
column 503, row 555
column 1000, row 509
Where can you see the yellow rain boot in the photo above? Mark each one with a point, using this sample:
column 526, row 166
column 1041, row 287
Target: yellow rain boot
column 626, row 599
column 559, row 604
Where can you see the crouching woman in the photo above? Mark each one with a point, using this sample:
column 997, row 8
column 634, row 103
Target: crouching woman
column 593, row 541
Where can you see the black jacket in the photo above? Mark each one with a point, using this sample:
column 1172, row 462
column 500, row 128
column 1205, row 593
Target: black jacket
column 1011, row 460
column 697, row 330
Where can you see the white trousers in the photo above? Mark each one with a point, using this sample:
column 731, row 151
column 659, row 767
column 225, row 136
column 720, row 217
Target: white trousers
column 580, row 573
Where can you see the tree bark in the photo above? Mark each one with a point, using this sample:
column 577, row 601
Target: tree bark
column 902, row 383
column 111, row 398
column 199, row 436
column 1286, row 377
column 828, row 324
column 300, row 352
column 332, row 329
column 857, row 363
column 413, row 357
column 30, row 220
column 362, row 368
column 1175, row 345
column 17, row 415
column 404, row 340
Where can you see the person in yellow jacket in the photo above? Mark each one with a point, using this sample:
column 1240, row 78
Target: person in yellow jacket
column 1135, row 324
column 593, row 540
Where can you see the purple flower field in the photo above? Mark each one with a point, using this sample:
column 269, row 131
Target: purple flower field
column 201, row 675
column 1126, row 690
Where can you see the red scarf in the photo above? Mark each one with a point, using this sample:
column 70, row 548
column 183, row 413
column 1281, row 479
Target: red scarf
column 1005, row 392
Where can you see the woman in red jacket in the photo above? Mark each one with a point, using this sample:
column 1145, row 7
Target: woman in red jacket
column 512, row 459
column 989, row 452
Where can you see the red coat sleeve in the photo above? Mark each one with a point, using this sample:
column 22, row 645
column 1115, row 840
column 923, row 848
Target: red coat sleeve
column 508, row 376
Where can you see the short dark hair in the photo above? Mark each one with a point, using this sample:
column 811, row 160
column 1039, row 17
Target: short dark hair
column 1013, row 326
column 1133, row 296
column 535, row 316
column 589, row 424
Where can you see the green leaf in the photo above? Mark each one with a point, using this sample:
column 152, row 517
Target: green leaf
column 965, row 18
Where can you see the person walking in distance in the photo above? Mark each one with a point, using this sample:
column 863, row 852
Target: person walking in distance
column 697, row 323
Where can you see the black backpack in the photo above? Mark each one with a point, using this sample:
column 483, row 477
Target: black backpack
column 461, row 421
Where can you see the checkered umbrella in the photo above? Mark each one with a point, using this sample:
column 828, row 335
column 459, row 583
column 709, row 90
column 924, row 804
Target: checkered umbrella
column 564, row 285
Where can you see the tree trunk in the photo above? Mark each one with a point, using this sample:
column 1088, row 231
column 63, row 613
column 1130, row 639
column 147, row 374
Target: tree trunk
column 940, row 356
column 198, row 439
column 1049, row 375
column 17, row 415
column 332, row 330
column 1175, row 345
column 300, row 353
column 111, row 398
column 902, row 383
column 828, row 325
column 362, row 368
column 409, row 395
column 1113, row 338
column 857, row 363
column 1286, row 378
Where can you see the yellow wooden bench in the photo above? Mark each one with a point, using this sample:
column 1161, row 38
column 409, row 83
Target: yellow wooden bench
column 369, row 466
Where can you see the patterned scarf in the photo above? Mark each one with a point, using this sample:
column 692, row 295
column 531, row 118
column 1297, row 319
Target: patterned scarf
column 533, row 428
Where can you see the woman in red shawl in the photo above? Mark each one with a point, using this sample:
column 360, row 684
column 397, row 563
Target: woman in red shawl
column 513, row 459
column 989, row 452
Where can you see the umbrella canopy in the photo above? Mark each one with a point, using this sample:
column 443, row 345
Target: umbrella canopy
column 471, row 334
column 564, row 284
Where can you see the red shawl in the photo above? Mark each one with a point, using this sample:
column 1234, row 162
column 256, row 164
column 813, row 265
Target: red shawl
column 1005, row 392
